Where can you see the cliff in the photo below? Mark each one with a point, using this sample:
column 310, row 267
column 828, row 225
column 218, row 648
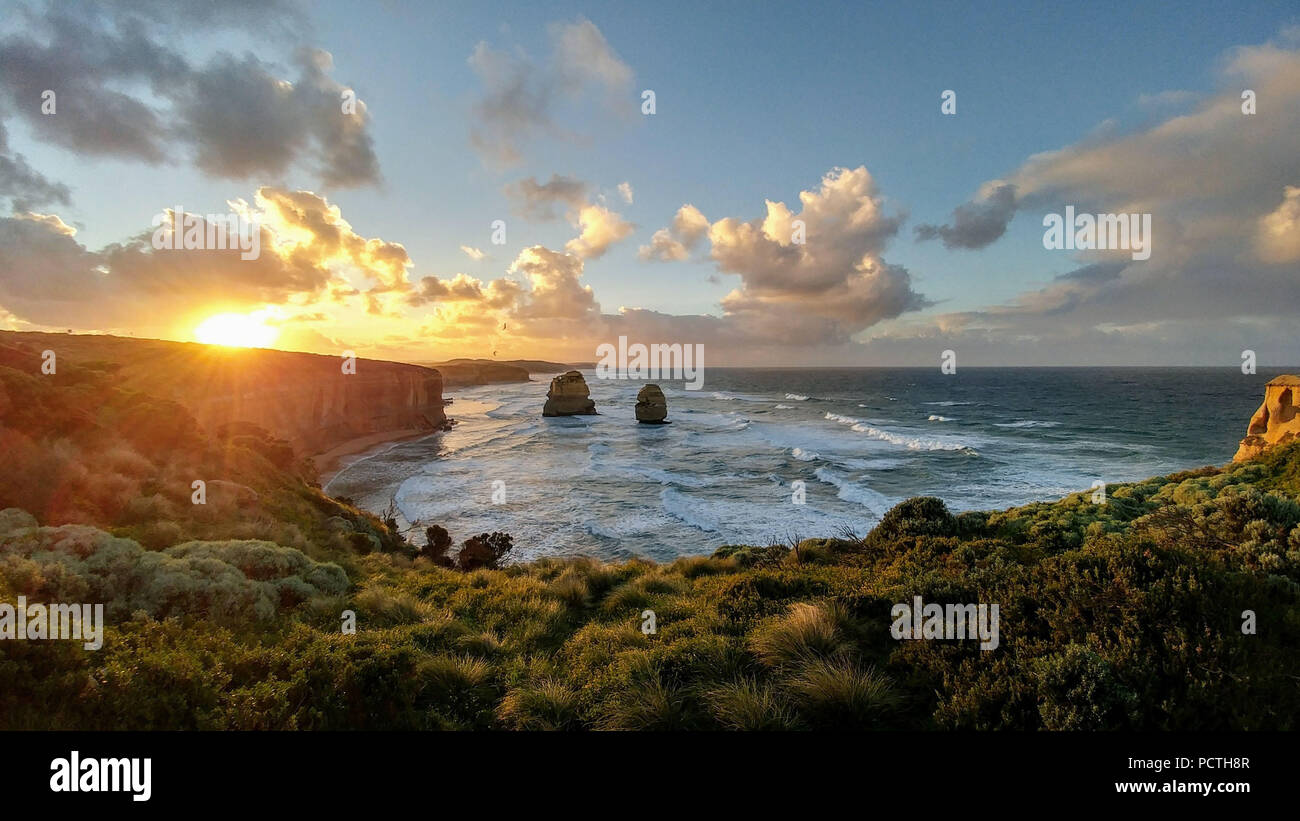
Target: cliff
column 304, row 398
column 1275, row 422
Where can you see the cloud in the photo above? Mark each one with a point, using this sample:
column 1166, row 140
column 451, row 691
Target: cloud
column 1220, row 186
column 25, row 186
column 522, row 98
column 601, row 228
column 497, row 294
column 583, row 56
column 555, row 291
column 676, row 242
column 234, row 117
column 263, row 125
column 1279, row 230
column 978, row 223
column 308, row 254
column 539, row 201
column 827, row 288
column 473, row 253
column 625, row 191
column 308, row 228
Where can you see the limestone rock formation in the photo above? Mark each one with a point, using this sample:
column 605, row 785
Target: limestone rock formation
column 1276, row 420
column 568, row 396
column 651, row 406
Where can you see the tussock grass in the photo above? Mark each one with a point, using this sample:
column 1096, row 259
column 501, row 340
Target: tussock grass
column 381, row 607
column 746, row 704
column 808, row 632
column 837, row 693
column 544, row 705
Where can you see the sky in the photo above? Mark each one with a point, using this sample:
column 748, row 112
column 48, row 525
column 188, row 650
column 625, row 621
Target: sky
column 798, row 196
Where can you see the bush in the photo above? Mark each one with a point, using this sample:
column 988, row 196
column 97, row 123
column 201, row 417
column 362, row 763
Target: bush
column 918, row 516
column 437, row 541
column 484, row 551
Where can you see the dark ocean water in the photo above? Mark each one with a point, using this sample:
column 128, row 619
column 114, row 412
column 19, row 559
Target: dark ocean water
column 860, row 441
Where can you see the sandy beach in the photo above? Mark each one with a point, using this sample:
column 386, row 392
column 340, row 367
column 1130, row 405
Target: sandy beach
column 334, row 460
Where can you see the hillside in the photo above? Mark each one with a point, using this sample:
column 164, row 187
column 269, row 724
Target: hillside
column 465, row 372
column 1122, row 615
column 306, row 399
column 460, row 373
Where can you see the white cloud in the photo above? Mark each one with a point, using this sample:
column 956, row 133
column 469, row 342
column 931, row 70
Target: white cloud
column 601, row 228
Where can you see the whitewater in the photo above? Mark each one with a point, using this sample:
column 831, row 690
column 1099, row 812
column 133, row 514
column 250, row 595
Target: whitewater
column 856, row 441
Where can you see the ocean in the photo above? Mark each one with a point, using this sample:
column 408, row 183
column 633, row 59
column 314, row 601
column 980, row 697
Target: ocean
column 726, row 471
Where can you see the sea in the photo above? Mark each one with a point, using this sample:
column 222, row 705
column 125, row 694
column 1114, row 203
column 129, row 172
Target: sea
column 757, row 456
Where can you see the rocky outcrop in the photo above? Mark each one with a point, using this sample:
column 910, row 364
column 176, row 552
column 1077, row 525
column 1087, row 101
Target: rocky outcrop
column 304, row 398
column 1276, row 421
column 568, row 396
column 651, row 406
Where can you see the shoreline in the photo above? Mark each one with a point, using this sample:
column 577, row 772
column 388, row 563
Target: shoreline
column 333, row 461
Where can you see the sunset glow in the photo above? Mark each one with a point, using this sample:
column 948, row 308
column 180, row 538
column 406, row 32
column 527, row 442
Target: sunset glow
column 236, row 331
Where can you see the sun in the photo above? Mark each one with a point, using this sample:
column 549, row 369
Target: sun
column 236, row 331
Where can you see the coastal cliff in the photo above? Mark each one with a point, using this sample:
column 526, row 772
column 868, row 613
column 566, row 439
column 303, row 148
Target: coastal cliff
column 1275, row 422
column 304, row 398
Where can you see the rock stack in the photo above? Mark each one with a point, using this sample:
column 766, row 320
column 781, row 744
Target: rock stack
column 568, row 396
column 651, row 406
column 1276, row 421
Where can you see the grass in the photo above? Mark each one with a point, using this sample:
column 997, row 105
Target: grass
column 1125, row 615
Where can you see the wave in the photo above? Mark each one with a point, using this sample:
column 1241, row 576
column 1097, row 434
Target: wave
column 948, row 403
column 743, row 522
column 910, row 442
column 1028, row 423
column 633, row 472
column 728, row 396
column 620, row 527
column 784, row 407
column 797, row 397
column 934, row 417
column 851, row 491
column 688, row 510
column 805, row 455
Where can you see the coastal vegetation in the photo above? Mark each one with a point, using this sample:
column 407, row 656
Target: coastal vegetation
column 1175, row 604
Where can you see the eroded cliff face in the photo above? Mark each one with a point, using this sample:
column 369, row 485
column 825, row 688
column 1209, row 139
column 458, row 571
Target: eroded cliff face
column 304, row 398
column 316, row 406
column 1276, row 420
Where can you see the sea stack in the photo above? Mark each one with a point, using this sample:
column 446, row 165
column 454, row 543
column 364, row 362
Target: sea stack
column 568, row 396
column 651, row 406
column 1275, row 422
